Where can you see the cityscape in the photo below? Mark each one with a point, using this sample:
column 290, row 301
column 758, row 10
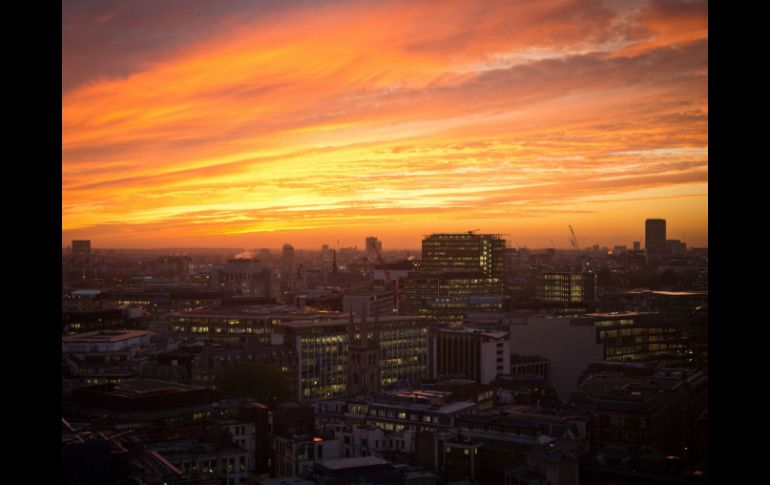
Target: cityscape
column 347, row 243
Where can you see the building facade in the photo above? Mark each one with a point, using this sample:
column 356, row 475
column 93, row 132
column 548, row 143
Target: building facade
column 465, row 252
column 655, row 236
column 470, row 353
column 323, row 350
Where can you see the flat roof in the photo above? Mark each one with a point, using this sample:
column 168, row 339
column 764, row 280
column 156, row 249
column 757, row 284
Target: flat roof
column 343, row 463
column 619, row 314
column 147, row 386
column 105, row 336
column 476, row 331
column 278, row 311
column 345, row 319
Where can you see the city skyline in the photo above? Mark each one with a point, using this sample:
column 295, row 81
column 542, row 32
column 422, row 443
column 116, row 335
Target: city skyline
column 351, row 243
column 259, row 124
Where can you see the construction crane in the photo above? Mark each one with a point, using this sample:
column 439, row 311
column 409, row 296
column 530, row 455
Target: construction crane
column 387, row 275
column 573, row 239
column 382, row 263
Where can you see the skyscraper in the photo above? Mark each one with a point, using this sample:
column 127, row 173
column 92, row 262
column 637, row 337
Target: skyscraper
column 655, row 235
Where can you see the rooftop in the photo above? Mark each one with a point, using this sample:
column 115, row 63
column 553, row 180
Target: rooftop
column 356, row 462
column 139, row 387
column 486, row 333
column 105, row 336
column 277, row 311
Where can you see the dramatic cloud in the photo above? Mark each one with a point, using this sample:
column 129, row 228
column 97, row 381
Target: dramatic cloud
column 244, row 123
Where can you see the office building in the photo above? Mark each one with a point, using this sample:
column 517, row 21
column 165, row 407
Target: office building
column 655, row 236
column 573, row 290
column 369, row 302
column 229, row 324
column 323, row 353
column 483, row 254
column 444, row 297
column 159, row 301
column 469, row 353
column 80, row 321
column 405, row 410
column 571, row 343
column 102, row 357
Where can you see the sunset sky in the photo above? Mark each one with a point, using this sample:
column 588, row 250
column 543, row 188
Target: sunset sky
column 193, row 123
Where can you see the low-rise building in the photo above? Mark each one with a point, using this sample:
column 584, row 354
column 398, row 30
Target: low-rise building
column 104, row 356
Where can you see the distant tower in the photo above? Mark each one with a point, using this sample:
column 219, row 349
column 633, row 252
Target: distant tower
column 287, row 267
column 334, row 261
column 81, row 249
column 373, row 247
column 655, row 235
column 364, row 357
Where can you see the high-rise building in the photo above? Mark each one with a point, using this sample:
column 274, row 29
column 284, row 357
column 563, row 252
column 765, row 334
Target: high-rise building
column 287, row 268
column 373, row 248
column 655, row 235
column 637, row 245
column 81, row 249
column 465, row 252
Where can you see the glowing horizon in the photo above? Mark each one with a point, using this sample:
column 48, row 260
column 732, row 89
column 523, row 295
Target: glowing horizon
column 253, row 124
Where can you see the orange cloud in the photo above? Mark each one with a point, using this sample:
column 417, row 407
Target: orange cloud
column 333, row 120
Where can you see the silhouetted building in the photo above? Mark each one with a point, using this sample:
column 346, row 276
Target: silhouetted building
column 287, row 268
column 655, row 236
column 247, row 277
column 81, row 249
column 675, row 247
column 373, row 248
